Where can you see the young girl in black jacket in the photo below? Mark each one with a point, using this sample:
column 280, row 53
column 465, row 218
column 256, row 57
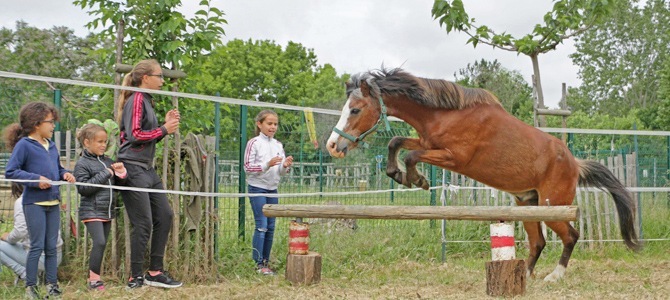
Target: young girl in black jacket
column 97, row 205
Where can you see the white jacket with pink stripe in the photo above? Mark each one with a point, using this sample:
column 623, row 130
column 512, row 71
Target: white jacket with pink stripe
column 260, row 150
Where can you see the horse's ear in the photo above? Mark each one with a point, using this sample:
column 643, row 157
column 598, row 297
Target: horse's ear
column 365, row 88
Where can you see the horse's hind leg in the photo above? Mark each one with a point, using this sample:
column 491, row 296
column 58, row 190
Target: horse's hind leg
column 569, row 236
column 392, row 169
column 536, row 244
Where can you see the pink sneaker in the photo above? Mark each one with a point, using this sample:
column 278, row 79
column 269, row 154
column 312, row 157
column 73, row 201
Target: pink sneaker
column 96, row 286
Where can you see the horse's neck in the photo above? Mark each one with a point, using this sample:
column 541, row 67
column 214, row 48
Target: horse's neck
column 411, row 112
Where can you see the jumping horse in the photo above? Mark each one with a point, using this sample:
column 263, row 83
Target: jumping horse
column 466, row 130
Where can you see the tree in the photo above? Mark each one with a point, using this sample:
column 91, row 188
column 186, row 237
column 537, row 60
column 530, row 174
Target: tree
column 619, row 59
column 266, row 72
column 567, row 19
column 511, row 89
column 155, row 29
column 657, row 116
column 263, row 71
column 54, row 52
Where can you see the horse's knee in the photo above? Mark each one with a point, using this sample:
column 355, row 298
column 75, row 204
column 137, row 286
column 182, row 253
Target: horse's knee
column 411, row 158
column 395, row 142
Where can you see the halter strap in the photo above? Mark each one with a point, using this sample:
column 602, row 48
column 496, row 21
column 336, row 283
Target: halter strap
column 360, row 138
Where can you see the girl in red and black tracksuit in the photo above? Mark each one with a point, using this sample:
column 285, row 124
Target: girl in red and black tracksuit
column 149, row 213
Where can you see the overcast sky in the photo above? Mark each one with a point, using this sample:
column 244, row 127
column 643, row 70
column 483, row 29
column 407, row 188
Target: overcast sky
column 356, row 36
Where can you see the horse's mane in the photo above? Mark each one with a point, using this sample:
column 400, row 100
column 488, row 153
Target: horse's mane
column 435, row 93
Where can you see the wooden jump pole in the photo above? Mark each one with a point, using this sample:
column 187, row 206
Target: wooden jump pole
column 474, row 213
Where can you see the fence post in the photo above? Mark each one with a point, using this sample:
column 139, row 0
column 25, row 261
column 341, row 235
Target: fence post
column 637, row 184
column 320, row 173
column 240, row 171
column 433, row 182
column 302, row 137
column 57, row 97
column 217, row 131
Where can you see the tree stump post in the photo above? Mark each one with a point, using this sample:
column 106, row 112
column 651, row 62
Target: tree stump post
column 303, row 269
column 506, row 278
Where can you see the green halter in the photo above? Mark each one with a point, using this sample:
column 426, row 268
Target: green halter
column 360, row 138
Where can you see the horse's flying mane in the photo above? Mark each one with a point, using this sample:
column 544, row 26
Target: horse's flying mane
column 435, row 93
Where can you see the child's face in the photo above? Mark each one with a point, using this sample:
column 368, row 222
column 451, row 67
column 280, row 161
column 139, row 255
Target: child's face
column 98, row 145
column 46, row 128
column 269, row 125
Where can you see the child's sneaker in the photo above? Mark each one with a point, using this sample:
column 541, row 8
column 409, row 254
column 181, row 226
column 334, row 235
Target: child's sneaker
column 134, row 283
column 263, row 269
column 53, row 291
column 162, row 279
column 32, row 292
column 96, row 286
column 22, row 277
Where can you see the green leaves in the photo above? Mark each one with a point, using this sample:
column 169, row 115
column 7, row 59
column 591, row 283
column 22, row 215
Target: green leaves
column 620, row 59
column 566, row 19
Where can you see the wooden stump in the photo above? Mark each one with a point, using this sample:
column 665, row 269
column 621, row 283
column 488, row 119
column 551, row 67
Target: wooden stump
column 304, row 269
column 506, row 277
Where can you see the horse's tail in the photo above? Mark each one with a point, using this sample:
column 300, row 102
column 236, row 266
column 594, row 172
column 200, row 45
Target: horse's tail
column 594, row 174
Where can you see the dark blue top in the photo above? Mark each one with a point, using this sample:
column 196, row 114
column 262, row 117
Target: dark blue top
column 29, row 161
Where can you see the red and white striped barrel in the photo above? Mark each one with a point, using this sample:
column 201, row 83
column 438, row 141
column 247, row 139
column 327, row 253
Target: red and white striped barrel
column 298, row 238
column 502, row 241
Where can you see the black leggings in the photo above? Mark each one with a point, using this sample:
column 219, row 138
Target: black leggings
column 151, row 217
column 99, row 232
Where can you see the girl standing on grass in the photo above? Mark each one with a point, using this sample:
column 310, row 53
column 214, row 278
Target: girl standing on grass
column 35, row 157
column 97, row 205
column 264, row 163
column 149, row 213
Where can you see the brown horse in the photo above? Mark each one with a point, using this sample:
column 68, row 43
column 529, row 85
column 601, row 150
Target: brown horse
column 466, row 130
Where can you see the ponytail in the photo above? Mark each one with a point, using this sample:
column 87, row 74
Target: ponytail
column 134, row 79
column 12, row 134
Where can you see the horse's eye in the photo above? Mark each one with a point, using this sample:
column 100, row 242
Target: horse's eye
column 355, row 111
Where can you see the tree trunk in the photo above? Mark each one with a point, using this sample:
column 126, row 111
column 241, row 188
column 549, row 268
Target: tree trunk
column 506, row 277
column 537, row 84
column 119, row 59
column 303, row 269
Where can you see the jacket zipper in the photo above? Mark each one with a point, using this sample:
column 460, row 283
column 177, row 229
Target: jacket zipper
column 111, row 199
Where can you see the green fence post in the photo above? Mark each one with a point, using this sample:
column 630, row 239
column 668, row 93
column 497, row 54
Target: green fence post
column 667, row 169
column 433, row 182
column 242, row 175
column 57, row 97
column 320, row 173
column 637, row 174
column 217, row 131
column 302, row 136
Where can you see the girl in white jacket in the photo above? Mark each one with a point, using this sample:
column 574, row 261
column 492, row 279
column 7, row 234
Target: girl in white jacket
column 264, row 164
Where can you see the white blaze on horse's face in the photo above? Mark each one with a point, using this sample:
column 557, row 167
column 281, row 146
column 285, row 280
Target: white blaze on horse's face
column 336, row 149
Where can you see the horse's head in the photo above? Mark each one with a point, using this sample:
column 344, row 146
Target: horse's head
column 360, row 116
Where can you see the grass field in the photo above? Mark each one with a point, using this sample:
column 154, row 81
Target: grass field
column 406, row 264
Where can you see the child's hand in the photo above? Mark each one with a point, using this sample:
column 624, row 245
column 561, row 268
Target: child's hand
column 288, row 161
column 274, row 161
column 44, row 185
column 110, row 171
column 172, row 125
column 69, row 177
column 119, row 168
column 172, row 115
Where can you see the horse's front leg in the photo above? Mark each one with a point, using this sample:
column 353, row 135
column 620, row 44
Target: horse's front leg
column 396, row 143
column 433, row 157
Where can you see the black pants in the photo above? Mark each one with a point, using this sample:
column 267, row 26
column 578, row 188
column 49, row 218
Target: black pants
column 150, row 215
column 99, row 232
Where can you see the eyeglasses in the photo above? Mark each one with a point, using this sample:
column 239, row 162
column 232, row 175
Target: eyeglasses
column 52, row 121
column 159, row 75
